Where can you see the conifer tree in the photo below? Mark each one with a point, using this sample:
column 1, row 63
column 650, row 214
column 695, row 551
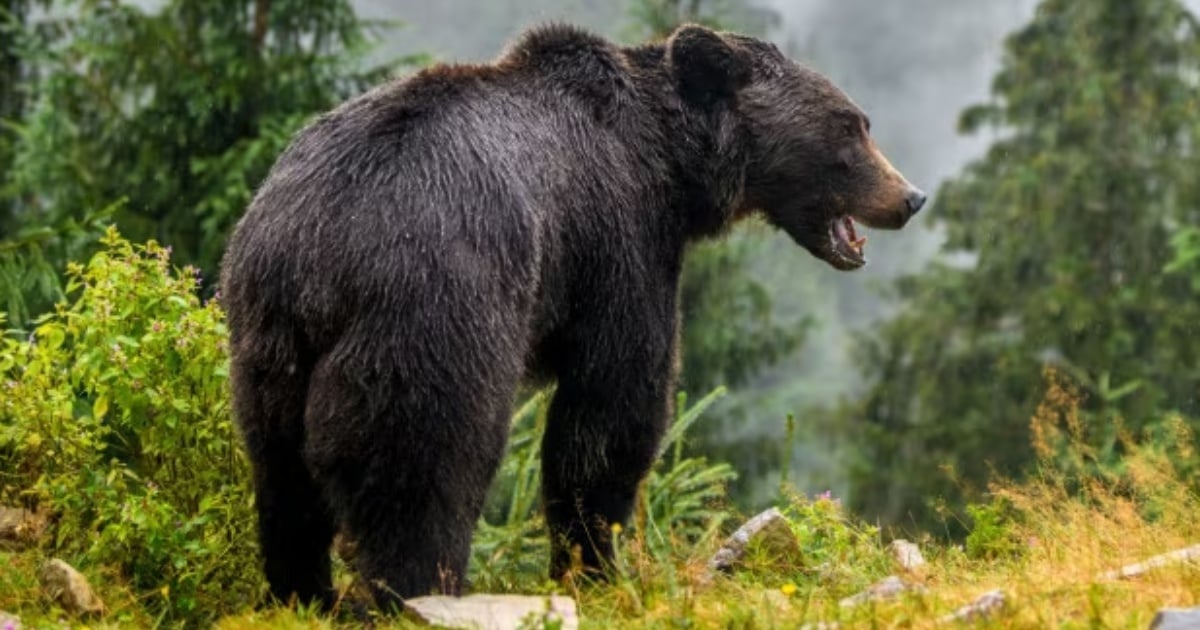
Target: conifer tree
column 1057, row 244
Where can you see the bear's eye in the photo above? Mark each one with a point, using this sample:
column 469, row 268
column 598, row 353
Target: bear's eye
column 855, row 125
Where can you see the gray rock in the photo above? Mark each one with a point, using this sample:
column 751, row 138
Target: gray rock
column 983, row 606
column 67, row 586
column 907, row 554
column 1187, row 554
column 887, row 588
column 1176, row 619
column 493, row 612
column 769, row 528
column 19, row 528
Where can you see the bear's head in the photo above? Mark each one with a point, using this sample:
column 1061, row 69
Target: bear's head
column 810, row 165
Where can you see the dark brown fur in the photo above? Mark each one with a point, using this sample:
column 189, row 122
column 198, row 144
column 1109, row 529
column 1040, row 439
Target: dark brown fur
column 418, row 251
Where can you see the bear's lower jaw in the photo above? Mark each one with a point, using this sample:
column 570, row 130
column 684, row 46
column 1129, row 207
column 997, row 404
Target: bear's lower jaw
column 845, row 251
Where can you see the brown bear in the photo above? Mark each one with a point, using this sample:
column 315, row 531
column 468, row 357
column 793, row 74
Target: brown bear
column 420, row 250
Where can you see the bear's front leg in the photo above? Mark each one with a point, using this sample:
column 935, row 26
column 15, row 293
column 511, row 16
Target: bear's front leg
column 605, row 424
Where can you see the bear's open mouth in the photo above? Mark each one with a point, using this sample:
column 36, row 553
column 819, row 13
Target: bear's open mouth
column 846, row 243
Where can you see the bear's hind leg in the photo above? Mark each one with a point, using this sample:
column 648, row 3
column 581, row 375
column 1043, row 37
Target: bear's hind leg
column 406, row 452
column 295, row 529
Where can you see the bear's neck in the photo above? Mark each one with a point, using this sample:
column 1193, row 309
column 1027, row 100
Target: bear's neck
column 705, row 147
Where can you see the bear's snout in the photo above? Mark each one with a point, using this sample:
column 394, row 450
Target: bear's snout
column 915, row 200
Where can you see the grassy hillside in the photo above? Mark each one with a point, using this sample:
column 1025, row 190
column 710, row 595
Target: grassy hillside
column 1045, row 549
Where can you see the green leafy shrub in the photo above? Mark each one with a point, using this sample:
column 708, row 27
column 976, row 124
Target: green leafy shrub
column 1186, row 244
column 114, row 416
column 835, row 548
column 993, row 530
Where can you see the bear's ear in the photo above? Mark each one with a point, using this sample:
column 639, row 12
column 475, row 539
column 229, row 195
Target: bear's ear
column 707, row 67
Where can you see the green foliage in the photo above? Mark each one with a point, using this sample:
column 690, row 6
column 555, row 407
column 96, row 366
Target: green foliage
column 992, row 532
column 680, row 502
column 834, row 546
column 28, row 274
column 1060, row 235
column 115, row 419
column 1186, row 242
column 181, row 110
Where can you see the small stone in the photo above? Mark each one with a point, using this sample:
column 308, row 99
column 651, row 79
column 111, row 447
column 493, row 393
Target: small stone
column 19, row 528
column 769, row 529
column 887, row 588
column 1176, row 619
column 983, row 606
column 1187, row 554
column 907, row 554
column 67, row 586
column 493, row 612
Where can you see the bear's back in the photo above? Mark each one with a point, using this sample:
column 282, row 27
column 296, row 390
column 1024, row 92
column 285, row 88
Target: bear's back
column 458, row 174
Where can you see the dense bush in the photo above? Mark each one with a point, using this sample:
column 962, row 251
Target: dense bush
column 114, row 418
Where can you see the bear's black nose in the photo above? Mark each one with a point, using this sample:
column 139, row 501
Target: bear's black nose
column 915, row 200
